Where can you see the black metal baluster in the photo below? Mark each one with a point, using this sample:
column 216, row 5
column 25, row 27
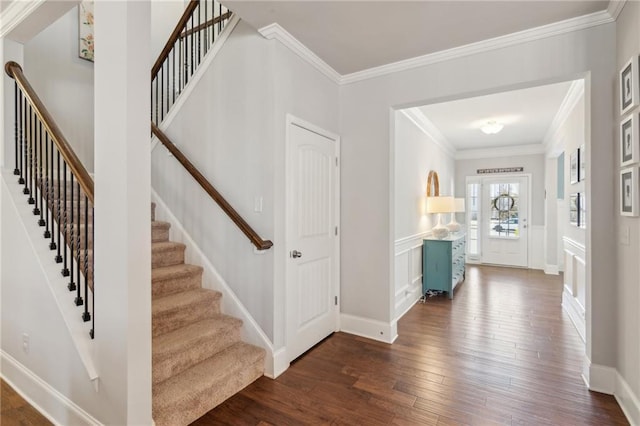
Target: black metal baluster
column 93, row 284
column 173, row 74
column 219, row 20
column 76, row 234
column 34, row 189
column 180, row 59
column 70, row 236
column 199, row 36
column 27, row 155
column 16, row 171
column 40, row 186
column 59, row 215
column 31, row 180
column 23, row 150
column 192, row 47
column 206, row 27
column 47, row 187
column 161, row 93
column 86, row 316
column 65, row 270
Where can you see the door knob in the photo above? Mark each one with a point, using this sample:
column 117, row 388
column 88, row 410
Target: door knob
column 295, row 254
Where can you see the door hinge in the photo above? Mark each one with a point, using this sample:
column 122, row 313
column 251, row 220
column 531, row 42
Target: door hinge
column 336, row 230
column 336, row 300
column 336, row 161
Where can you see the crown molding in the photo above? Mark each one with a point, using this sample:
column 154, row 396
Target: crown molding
column 575, row 92
column 615, row 7
column 417, row 117
column 537, row 33
column 503, row 151
column 15, row 13
column 275, row 31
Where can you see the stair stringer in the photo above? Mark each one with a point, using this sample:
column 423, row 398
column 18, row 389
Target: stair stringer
column 78, row 330
column 197, row 75
column 275, row 360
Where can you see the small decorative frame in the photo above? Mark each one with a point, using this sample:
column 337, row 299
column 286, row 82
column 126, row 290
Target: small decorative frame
column 582, row 159
column 433, row 182
column 582, row 210
column 629, row 86
column 573, row 209
column 574, row 158
column 629, row 141
column 85, row 30
column 629, row 191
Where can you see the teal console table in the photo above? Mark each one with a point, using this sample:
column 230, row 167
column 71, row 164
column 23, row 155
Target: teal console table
column 443, row 263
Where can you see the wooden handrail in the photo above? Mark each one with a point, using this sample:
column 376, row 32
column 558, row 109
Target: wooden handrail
column 175, row 35
column 14, row 71
column 209, row 23
column 258, row 242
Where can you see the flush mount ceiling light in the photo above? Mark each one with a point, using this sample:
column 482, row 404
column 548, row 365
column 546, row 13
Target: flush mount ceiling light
column 491, row 127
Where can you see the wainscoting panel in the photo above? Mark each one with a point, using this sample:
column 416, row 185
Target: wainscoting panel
column 408, row 272
column 575, row 283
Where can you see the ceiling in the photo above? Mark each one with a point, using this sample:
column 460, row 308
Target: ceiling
column 352, row 36
column 527, row 115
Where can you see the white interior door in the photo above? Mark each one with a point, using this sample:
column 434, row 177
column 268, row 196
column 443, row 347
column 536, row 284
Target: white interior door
column 312, row 220
column 504, row 221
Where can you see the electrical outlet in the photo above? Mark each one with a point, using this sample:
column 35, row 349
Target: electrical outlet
column 25, row 343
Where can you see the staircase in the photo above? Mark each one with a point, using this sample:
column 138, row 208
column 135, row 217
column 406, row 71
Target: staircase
column 198, row 358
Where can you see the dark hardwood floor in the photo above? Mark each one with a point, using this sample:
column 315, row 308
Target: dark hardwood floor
column 15, row 411
column 502, row 352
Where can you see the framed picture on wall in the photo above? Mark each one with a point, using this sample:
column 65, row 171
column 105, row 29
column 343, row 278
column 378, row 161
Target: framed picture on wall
column 582, row 159
column 573, row 166
column 629, row 146
column 573, row 209
column 85, row 30
column 629, row 85
column 629, row 191
column 582, row 210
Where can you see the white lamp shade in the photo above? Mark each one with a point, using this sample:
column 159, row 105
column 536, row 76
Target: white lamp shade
column 440, row 204
column 459, row 205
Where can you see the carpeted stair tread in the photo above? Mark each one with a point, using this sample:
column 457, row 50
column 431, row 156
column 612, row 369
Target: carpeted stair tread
column 185, row 347
column 166, row 253
column 177, row 310
column 187, row 396
column 174, row 279
column 159, row 231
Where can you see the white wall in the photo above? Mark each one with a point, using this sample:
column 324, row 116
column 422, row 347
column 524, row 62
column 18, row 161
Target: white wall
column 416, row 154
column 533, row 164
column 64, row 82
column 367, row 172
column 226, row 129
column 628, row 300
column 28, row 306
column 304, row 92
column 164, row 17
column 232, row 127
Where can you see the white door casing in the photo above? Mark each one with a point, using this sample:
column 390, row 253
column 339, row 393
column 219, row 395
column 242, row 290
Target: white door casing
column 505, row 241
column 312, row 266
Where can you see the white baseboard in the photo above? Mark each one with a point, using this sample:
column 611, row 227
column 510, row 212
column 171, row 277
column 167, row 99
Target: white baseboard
column 629, row 402
column 280, row 363
column 576, row 313
column 251, row 332
column 53, row 405
column 372, row 329
column 602, row 379
column 551, row 269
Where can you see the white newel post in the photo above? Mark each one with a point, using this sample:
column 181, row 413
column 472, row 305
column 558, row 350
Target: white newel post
column 122, row 205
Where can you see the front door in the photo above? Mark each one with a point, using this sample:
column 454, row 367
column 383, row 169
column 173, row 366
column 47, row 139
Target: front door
column 312, row 241
column 504, row 223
